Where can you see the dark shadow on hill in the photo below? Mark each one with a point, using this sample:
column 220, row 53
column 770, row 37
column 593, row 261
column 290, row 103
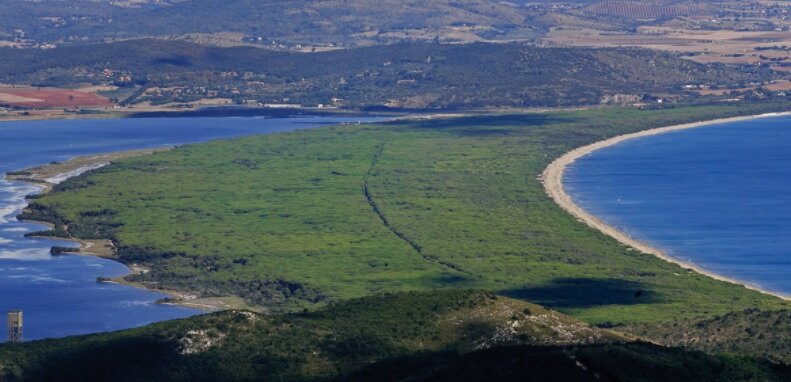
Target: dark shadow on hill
column 615, row 362
column 484, row 125
column 453, row 279
column 176, row 60
column 585, row 293
column 450, row 280
column 499, row 364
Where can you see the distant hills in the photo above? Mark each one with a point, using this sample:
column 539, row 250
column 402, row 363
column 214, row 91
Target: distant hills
column 409, row 76
column 356, row 22
column 328, row 23
column 184, row 51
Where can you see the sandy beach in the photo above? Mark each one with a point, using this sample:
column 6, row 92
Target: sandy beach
column 51, row 174
column 552, row 179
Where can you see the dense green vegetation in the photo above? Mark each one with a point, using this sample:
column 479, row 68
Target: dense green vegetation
column 751, row 332
column 408, row 336
column 412, row 76
column 298, row 219
column 337, row 340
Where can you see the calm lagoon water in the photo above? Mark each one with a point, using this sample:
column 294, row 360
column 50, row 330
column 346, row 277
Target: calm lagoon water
column 718, row 196
column 60, row 295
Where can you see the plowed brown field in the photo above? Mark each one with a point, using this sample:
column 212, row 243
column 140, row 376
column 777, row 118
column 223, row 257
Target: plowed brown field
column 42, row 98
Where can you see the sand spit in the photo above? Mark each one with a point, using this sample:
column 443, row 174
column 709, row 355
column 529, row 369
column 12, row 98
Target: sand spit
column 49, row 175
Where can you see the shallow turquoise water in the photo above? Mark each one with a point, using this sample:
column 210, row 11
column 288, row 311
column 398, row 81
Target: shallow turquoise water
column 60, row 295
column 718, row 196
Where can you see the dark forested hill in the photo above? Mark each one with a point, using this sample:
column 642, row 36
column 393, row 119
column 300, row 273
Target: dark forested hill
column 401, row 75
column 439, row 336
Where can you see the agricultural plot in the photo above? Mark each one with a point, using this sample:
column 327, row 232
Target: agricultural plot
column 43, row 98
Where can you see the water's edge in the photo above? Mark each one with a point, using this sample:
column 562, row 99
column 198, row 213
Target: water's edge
column 553, row 181
column 60, row 294
column 44, row 177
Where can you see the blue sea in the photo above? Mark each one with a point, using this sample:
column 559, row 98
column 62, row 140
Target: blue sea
column 60, row 295
column 718, row 196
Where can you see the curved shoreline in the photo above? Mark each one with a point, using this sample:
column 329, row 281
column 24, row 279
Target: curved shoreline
column 46, row 176
column 552, row 179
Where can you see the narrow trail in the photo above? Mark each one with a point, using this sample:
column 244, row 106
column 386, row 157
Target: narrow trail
column 374, row 161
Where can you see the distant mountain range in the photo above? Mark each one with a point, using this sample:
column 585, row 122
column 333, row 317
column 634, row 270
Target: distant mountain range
column 327, row 24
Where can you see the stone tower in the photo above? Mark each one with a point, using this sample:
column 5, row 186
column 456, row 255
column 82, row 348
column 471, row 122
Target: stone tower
column 15, row 326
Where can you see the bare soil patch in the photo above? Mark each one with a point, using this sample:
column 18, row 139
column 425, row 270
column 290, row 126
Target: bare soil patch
column 50, row 98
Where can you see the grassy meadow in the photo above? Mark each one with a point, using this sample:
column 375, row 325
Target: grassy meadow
column 299, row 219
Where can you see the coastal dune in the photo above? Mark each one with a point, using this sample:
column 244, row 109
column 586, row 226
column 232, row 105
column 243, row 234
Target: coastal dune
column 552, row 178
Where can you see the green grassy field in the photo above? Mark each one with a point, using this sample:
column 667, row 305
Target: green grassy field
column 299, row 219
